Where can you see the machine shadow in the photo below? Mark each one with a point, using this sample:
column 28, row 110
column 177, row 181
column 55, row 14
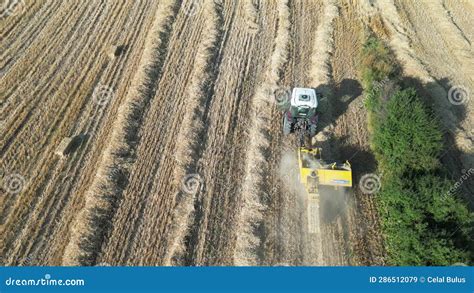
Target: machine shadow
column 336, row 100
column 449, row 114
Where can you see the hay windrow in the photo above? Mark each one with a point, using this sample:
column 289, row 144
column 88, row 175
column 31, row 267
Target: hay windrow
column 101, row 200
column 192, row 125
column 252, row 208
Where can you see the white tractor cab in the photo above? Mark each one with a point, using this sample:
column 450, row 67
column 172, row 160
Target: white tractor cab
column 302, row 114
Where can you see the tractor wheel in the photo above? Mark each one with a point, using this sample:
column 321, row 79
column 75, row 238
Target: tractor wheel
column 286, row 126
column 313, row 129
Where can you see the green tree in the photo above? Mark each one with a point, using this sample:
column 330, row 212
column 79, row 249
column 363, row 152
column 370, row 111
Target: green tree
column 377, row 63
column 407, row 137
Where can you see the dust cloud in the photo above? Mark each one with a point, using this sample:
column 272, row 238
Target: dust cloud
column 300, row 225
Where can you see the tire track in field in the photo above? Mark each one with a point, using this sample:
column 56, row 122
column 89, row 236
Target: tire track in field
column 32, row 140
column 204, row 74
column 212, row 239
column 25, row 146
column 141, row 225
column 93, row 223
column 428, row 23
column 11, row 106
column 197, row 29
column 251, row 208
column 16, row 40
column 284, row 240
column 66, row 188
column 37, row 54
column 458, row 46
column 401, row 44
column 72, row 173
column 17, row 23
column 317, row 250
column 22, row 109
column 350, row 222
column 460, row 13
column 45, row 160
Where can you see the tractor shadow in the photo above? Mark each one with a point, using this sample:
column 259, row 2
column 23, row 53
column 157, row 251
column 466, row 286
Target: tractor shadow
column 335, row 202
column 336, row 100
column 449, row 112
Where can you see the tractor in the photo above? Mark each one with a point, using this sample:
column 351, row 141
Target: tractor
column 301, row 113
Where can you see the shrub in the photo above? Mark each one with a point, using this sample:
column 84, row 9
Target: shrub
column 377, row 63
column 422, row 221
column 406, row 137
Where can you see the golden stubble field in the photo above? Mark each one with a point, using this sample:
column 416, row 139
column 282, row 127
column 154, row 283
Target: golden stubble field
column 180, row 158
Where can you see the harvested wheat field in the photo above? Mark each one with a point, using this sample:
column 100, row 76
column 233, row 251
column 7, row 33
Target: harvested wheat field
column 147, row 132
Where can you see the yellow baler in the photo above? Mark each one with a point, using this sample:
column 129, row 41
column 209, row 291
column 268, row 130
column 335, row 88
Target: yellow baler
column 314, row 171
